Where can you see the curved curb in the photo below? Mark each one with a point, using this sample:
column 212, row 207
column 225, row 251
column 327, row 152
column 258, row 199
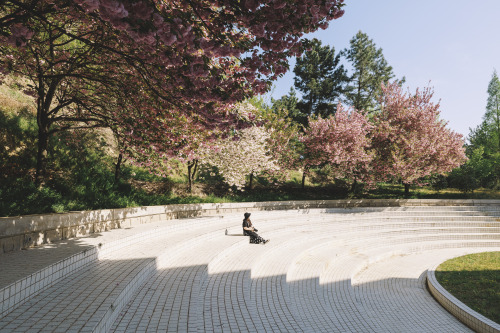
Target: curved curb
column 462, row 312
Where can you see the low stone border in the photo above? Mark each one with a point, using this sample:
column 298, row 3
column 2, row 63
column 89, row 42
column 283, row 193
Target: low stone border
column 21, row 232
column 462, row 312
column 28, row 287
column 24, row 289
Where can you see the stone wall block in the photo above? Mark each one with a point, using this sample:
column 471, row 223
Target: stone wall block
column 127, row 215
column 99, row 227
column 163, row 216
column 115, row 224
column 85, row 230
column 125, row 223
column 78, row 231
column 69, row 232
column 483, row 202
column 71, row 219
column 53, row 235
column 10, row 244
column 49, row 222
column 108, row 225
column 33, row 239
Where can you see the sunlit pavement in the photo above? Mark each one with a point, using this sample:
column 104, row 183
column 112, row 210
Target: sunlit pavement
column 325, row 270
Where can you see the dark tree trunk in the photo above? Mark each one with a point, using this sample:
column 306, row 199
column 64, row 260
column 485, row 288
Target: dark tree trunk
column 190, row 181
column 192, row 166
column 44, row 123
column 251, row 181
column 407, row 189
column 304, row 179
column 353, row 186
column 43, row 143
column 118, row 167
column 310, row 106
column 498, row 121
column 357, row 103
column 195, row 168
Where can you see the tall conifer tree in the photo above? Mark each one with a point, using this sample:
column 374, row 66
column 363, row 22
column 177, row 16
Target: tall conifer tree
column 484, row 140
column 289, row 103
column 492, row 115
column 487, row 134
column 320, row 78
column 370, row 69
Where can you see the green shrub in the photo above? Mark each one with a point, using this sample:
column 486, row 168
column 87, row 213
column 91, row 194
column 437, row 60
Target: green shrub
column 463, row 179
column 439, row 182
column 18, row 135
column 21, row 197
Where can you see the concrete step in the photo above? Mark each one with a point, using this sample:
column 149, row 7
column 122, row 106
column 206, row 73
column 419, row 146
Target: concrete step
column 187, row 275
column 91, row 298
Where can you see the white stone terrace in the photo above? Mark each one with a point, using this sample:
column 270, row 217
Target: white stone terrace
column 325, row 270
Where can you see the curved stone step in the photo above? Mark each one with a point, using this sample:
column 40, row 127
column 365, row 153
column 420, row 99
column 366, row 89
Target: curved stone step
column 94, row 295
column 318, row 274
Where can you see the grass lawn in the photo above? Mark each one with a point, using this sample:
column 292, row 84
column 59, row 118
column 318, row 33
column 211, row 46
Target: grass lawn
column 475, row 280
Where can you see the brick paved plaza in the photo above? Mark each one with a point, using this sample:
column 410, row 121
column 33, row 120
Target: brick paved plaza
column 325, row 270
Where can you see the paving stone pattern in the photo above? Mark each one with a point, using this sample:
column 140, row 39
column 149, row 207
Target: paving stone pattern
column 325, row 270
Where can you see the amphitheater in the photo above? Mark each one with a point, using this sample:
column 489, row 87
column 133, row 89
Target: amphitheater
column 330, row 267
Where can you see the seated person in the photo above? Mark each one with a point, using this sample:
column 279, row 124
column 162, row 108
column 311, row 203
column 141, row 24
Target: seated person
column 249, row 230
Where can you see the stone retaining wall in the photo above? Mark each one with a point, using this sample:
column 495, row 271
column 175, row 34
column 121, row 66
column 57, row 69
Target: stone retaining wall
column 21, row 232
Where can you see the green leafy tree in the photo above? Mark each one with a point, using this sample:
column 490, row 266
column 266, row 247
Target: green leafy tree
column 320, row 78
column 485, row 138
column 17, row 139
column 289, row 103
column 478, row 137
column 369, row 71
column 476, row 172
column 492, row 115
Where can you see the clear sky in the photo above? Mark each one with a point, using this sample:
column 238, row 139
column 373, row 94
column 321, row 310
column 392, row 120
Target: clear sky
column 451, row 45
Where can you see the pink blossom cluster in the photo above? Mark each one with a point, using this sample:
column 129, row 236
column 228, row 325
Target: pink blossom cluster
column 152, row 136
column 410, row 139
column 180, row 34
column 159, row 71
column 405, row 142
column 342, row 140
column 237, row 47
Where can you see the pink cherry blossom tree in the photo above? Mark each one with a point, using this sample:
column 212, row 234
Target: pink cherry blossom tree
column 188, row 60
column 410, row 139
column 341, row 141
column 185, row 139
